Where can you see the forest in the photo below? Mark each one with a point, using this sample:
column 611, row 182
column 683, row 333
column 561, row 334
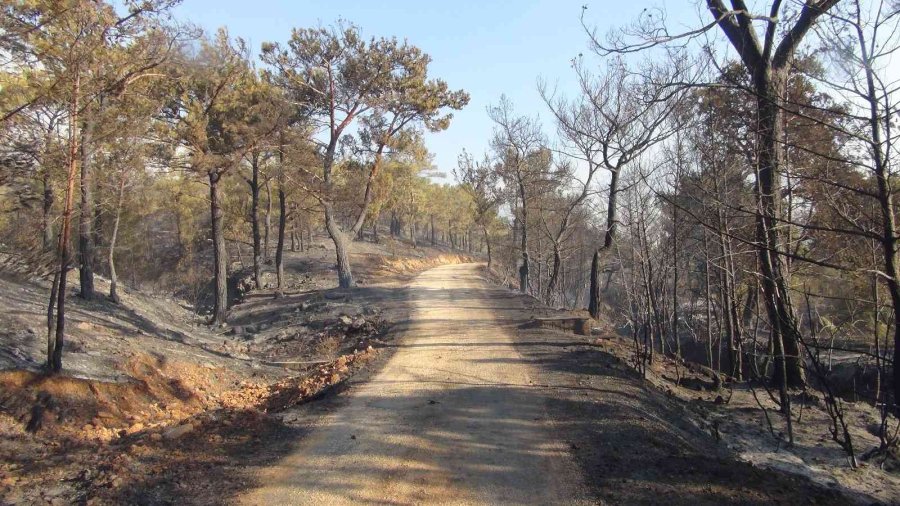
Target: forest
column 719, row 196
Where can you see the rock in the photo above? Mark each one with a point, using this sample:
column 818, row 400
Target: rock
column 55, row 491
column 179, row 431
column 346, row 320
column 18, row 497
column 137, row 427
column 156, row 436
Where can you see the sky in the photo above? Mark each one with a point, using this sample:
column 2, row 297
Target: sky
column 487, row 47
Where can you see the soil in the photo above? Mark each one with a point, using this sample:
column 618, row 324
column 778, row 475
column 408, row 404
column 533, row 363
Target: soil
column 413, row 388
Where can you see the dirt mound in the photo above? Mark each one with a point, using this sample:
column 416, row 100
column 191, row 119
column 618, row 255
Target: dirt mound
column 102, row 439
column 155, row 392
column 408, row 266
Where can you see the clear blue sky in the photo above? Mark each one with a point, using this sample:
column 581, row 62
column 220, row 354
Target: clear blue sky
column 484, row 47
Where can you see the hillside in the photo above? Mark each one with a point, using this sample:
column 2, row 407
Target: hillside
column 143, row 377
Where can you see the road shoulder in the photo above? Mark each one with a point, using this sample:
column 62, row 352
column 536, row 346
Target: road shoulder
column 634, row 443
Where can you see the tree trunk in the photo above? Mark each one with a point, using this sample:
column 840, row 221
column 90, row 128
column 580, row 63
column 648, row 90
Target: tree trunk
column 47, row 207
column 179, row 225
column 342, row 256
column 268, row 222
column 554, row 275
column 769, row 86
column 113, row 276
column 523, row 269
column 450, row 236
column 675, row 273
column 594, row 295
column 279, row 245
column 736, row 343
column 86, row 216
column 51, row 322
column 357, row 225
column 708, row 300
column 487, row 243
column 433, row 242
column 254, row 221
column 56, row 333
column 888, row 240
column 220, row 255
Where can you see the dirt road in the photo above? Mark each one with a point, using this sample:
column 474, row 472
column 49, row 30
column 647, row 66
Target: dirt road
column 454, row 417
column 473, row 409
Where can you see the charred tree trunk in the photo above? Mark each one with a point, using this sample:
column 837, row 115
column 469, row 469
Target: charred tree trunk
column 523, row 269
column 113, row 276
column 279, row 245
column 769, row 86
column 220, row 254
column 609, row 236
column 254, row 221
column 47, row 207
column 675, row 280
column 86, row 216
column 888, row 240
column 56, row 332
column 554, row 275
column 768, row 67
column 267, row 257
column 342, row 256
